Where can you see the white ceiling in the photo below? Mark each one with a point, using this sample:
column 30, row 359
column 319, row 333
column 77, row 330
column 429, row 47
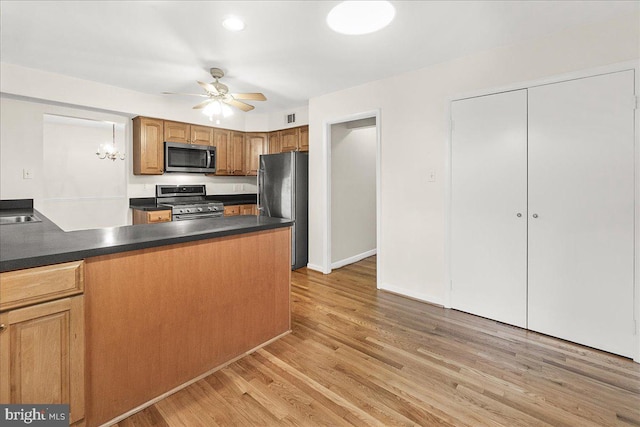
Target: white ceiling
column 286, row 50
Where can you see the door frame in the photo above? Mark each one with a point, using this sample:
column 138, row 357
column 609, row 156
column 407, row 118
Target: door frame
column 590, row 72
column 326, row 138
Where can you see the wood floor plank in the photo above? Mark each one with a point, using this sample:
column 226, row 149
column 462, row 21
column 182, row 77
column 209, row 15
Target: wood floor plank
column 360, row 356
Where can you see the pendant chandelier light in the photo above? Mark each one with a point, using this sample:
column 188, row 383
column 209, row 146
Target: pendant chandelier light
column 108, row 150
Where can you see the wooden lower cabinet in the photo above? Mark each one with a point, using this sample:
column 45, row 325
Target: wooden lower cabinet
column 42, row 355
column 150, row 217
column 248, row 209
column 233, row 210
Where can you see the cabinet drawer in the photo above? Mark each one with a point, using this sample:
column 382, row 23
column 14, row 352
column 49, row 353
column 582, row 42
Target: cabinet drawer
column 232, row 210
column 158, row 216
column 32, row 285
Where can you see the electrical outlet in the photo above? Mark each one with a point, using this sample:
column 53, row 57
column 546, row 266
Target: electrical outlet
column 431, row 177
column 27, row 174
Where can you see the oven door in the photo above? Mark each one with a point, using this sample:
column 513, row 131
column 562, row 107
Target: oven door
column 185, row 217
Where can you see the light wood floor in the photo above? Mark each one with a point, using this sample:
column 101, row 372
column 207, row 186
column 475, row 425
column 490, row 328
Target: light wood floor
column 358, row 356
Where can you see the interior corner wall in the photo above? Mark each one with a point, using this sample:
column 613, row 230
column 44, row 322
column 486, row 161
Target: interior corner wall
column 414, row 134
column 353, row 192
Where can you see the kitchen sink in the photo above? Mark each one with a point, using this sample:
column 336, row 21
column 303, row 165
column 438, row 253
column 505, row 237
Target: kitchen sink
column 18, row 219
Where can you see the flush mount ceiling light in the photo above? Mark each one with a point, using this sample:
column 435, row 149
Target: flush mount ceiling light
column 233, row 23
column 360, row 17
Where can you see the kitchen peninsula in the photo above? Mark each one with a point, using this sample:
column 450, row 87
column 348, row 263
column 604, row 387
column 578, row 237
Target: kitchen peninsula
column 160, row 305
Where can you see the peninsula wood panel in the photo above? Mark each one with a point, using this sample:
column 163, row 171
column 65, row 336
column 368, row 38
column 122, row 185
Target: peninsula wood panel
column 157, row 318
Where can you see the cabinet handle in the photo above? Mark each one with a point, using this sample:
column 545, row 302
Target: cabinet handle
column 535, row 215
column 519, row 215
column 3, row 327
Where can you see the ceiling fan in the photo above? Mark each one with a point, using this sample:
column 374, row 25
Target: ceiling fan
column 218, row 94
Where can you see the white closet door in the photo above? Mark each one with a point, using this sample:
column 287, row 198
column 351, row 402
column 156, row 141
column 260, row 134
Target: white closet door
column 581, row 211
column 489, row 206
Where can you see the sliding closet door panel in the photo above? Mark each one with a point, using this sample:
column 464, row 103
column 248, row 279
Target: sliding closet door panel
column 489, row 206
column 581, row 211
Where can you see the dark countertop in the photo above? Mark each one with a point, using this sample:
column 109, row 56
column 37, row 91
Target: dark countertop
column 28, row 245
column 149, row 203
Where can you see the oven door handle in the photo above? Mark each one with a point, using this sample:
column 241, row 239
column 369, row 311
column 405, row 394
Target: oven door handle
column 184, row 217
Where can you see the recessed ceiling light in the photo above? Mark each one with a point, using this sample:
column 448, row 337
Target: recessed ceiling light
column 233, row 23
column 360, row 17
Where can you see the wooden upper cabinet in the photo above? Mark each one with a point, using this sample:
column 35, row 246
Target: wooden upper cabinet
column 255, row 144
column 201, row 135
column 148, row 146
column 221, row 140
column 289, row 140
column 303, row 138
column 236, row 153
column 274, row 142
column 177, row 132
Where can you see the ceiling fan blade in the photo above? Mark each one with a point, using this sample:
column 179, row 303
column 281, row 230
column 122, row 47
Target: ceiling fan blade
column 203, row 104
column 239, row 104
column 250, row 96
column 189, row 94
column 209, row 88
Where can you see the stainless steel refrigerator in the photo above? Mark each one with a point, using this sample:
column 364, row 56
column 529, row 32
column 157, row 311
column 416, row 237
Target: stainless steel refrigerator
column 283, row 183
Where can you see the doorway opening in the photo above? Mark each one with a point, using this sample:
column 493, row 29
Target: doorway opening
column 353, row 190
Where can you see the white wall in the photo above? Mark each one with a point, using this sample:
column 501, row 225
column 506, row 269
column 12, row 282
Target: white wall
column 414, row 132
column 353, row 192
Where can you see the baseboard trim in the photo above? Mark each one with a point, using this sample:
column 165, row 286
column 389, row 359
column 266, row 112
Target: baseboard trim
column 314, row 267
column 188, row 383
column 354, row 258
column 411, row 295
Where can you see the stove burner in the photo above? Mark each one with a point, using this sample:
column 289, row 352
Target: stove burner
column 188, row 202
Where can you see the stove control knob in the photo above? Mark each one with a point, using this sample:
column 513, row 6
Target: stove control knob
column 180, row 211
column 199, row 209
column 210, row 208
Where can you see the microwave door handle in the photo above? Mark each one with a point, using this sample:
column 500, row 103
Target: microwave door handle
column 208, row 159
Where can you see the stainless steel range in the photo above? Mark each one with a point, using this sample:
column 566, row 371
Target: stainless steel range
column 188, row 202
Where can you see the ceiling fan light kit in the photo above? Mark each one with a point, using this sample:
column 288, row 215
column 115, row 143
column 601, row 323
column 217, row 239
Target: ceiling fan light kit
column 360, row 17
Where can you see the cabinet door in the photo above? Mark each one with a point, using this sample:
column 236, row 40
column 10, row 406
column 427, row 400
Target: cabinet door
column 148, row 146
column 201, row 135
column 489, row 206
column 42, row 355
column 177, row 132
column 236, row 153
column 222, row 140
column 289, row 140
column 255, row 145
column 303, row 139
column 581, row 211
column 274, row 142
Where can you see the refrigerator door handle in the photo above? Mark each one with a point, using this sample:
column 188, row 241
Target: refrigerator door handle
column 260, row 185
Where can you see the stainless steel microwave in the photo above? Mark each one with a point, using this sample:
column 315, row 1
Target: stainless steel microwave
column 189, row 158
